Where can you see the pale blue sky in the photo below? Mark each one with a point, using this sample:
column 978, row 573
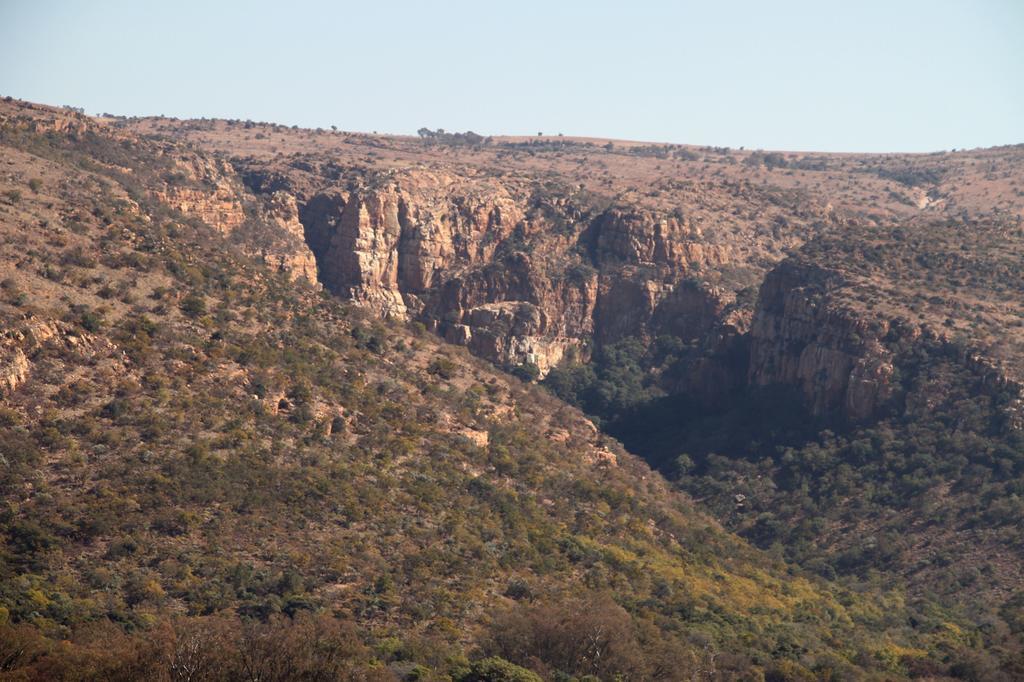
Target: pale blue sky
column 848, row 75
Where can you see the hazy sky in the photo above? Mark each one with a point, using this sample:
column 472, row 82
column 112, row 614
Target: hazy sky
column 851, row 75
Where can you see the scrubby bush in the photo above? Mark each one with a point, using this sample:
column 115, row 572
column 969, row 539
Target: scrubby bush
column 497, row 669
column 193, row 305
column 441, row 367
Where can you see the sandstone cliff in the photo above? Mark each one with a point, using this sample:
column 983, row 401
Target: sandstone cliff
column 289, row 252
column 801, row 337
column 517, row 272
column 805, row 333
column 268, row 227
column 203, row 188
column 521, row 271
column 523, row 251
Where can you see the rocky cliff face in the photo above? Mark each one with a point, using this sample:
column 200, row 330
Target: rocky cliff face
column 801, row 337
column 390, row 245
column 847, row 362
column 203, row 188
column 520, row 270
column 515, row 274
column 267, row 226
column 521, row 250
column 645, row 237
column 289, row 253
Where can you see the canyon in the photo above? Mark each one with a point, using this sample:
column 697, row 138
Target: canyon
column 249, row 371
column 826, row 277
column 537, row 252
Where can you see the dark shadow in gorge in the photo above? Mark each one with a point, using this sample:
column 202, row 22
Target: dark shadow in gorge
column 753, row 423
column 671, row 397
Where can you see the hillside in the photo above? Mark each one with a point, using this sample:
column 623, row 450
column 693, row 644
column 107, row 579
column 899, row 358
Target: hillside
column 677, row 293
column 529, row 251
column 208, row 458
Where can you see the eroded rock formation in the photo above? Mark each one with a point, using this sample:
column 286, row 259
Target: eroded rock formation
column 267, row 226
column 518, row 276
column 800, row 337
column 203, row 188
column 521, row 271
column 847, row 362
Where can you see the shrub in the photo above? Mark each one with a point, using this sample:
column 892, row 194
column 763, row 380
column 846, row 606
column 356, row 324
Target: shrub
column 593, row 636
column 497, row 669
column 528, row 372
column 193, row 305
column 91, row 320
column 441, row 367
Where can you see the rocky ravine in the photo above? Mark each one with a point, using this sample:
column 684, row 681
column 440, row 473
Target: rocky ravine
column 522, row 273
column 519, row 273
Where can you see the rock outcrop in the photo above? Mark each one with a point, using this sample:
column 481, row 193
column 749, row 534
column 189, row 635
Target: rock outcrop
column 203, row 188
column 18, row 346
column 267, row 227
column 14, row 369
column 518, row 276
column 801, row 337
column 847, row 362
column 390, row 245
column 292, row 255
column 644, row 237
